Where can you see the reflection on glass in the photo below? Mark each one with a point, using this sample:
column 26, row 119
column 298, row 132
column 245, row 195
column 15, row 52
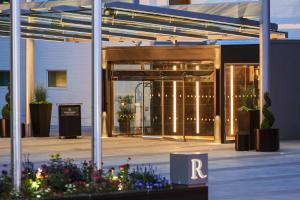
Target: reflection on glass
column 241, row 85
column 165, row 105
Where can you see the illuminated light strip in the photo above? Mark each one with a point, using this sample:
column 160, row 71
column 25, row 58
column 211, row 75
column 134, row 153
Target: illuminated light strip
column 231, row 101
column 174, row 104
column 197, row 108
column 174, row 107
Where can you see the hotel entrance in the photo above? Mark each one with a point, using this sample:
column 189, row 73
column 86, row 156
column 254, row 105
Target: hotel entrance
column 162, row 91
column 163, row 99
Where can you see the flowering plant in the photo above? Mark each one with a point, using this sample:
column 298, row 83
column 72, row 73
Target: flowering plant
column 61, row 177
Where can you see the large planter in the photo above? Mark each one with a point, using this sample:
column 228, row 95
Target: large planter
column 248, row 122
column 40, row 119
column 267, row 140
column 195, row 193
column 124, row 126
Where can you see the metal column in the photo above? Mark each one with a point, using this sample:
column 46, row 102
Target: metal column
column 97, row 83
column 29, row 79
column 264, row 50
column 15, row 95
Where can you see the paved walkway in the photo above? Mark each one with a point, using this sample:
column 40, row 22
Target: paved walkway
column 232, row 175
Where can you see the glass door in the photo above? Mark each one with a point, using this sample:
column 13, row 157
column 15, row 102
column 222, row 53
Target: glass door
column 128, row 107
column 241, row 88
column 199, row 106
column 152, row 110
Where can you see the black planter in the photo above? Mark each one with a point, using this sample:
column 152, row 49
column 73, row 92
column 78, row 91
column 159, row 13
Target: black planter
column 40, row 119
column 196, row 193
column 242, row 142
column 248, row 122
column 124, row 126
column 267, row 140
column 5, row 128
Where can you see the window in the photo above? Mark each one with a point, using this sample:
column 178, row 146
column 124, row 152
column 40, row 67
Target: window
column 4, row 78
column 57, row 79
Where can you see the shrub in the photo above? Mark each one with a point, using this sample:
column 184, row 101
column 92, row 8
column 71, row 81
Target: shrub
column 269, row 119
column 40, row 95
column 6, row 107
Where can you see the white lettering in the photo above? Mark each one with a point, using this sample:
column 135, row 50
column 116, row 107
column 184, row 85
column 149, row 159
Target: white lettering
column 196, row 169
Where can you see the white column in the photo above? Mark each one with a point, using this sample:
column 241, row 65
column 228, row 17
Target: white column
column 15, row 95
column 97, row 83
column 264, row 50
column 29, row 80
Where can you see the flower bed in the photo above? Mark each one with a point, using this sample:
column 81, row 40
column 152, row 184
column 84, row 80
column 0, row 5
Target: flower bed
column 61, row 177
column 64, row 179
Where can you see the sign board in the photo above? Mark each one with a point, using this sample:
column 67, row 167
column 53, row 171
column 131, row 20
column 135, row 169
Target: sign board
column 189, row 168
column 70, row 111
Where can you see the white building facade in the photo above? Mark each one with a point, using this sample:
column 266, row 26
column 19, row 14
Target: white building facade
column 70, row 63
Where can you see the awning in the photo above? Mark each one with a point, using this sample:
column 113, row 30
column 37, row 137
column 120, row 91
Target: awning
column 70, row 20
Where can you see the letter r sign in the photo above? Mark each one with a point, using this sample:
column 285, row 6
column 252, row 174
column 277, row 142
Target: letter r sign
column 189, row 168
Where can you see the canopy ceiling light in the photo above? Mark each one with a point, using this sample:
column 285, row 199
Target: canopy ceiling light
column 71, row 21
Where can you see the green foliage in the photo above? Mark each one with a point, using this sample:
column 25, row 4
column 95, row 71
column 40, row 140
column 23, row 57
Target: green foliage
column 6, row 107
column 269, row 119
column 6, row 186
column 249, row 99
column 4, row 1
column 40, row 95
column 125, row 108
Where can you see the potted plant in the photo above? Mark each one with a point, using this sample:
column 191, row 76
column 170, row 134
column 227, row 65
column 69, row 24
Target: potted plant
column 40, row 113
column 248, row 115
column 125, row 113
column 5, row 121
column 267, row 138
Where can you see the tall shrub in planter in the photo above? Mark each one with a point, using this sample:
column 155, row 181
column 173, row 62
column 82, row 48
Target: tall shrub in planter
column 40, row 112
column 267, row 137
column 5, row 121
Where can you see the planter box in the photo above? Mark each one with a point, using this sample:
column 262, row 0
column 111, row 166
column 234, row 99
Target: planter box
column 124, row 126
column 196, row 193
column 248, row 122
column 267, row 140
column 40, row 119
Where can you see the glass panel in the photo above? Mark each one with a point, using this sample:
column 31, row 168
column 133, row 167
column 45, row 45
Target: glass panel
column 242, row 88
column 166, row 65
column 152, row 108
column 159, row 101
column 173, row 108
column 4, row 78
column 127, row 107
column 127, row 67
column 199, row 107
column 57, row 78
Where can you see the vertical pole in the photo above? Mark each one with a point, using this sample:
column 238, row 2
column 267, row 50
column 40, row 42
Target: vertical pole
column 29, row 79
column 162, row 107
column 97, row 83
column 264, row 50
column 183, row 108
column 15, row 88
column 219, row 107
